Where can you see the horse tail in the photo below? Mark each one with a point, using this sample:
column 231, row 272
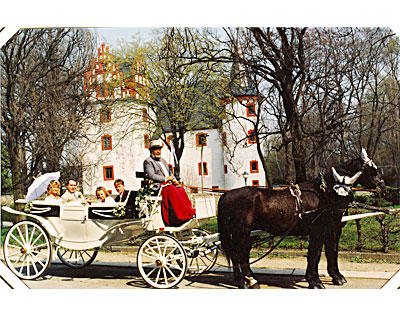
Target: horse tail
column 225, row 226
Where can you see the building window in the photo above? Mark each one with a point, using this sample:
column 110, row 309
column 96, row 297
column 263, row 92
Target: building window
column 225, row 169
column 254, row 166
column 106, row 142
column 108, row 173
column 251, row 109
column 252, row 136
column 146, row 141
column 205, row 169
column 105, row 115
column 201, row 139
column 145, row 115
column 255, row 183
column 224, row 138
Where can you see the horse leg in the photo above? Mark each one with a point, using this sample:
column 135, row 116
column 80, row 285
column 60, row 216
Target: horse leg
column 237, row 274
column 331, row 253
column 238, row 240
column 313, row 257
column 245, row 265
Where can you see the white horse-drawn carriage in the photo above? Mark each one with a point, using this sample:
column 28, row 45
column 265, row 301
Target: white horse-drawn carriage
column 166, row 254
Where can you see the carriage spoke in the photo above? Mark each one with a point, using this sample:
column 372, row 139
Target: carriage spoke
column 17, row 240
column 37, row 238
column 20, row 235
column 169, row 270
column 22, row 266
column 33, row 232
column 165, row 276
column 34, row 265
column 158, row 275
column 37, row 259
column 28, row 270
column 149, row 256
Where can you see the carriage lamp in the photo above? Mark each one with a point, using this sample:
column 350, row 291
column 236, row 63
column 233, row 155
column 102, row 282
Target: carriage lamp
column 245, row 175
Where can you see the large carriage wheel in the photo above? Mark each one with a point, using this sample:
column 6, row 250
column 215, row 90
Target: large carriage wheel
column 27, row 250
column 200, row 258
column 76, row 258
column 162, row 261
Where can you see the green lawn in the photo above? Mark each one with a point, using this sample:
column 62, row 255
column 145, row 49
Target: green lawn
column 370, row 229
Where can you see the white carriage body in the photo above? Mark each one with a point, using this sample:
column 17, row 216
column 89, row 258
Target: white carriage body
column 72, row 224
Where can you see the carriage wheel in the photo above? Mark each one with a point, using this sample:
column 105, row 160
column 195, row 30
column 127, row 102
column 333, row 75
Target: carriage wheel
column 76, row 258
column 27, row 250
column 200, row 258
column 162, row 261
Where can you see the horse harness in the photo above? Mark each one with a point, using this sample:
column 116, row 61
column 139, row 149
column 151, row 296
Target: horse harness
column 295, row 191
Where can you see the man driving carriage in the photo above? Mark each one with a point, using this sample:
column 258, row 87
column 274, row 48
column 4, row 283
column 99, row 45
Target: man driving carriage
column 176, row 207
column 156, row 168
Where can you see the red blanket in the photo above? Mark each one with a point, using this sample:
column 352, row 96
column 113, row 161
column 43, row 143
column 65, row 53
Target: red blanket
column 175, row 207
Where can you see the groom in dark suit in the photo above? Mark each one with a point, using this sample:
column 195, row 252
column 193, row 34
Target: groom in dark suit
column 123, row 195
column 156, row 168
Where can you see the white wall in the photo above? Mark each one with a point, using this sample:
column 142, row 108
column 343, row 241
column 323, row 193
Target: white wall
column 128, row 154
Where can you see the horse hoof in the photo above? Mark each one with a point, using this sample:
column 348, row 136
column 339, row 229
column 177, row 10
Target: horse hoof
column 316, row 286
column 339, row 280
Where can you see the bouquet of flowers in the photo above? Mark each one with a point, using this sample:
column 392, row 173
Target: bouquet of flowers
column 119, row 211
column 28, row 207
column 141, row 203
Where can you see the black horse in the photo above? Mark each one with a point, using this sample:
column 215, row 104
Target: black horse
column 317, row 212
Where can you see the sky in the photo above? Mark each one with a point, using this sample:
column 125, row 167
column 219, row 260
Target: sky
column 112, row 35
column 129, row 15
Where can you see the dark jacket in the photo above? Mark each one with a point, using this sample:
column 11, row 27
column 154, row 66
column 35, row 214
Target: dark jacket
column 130, row 204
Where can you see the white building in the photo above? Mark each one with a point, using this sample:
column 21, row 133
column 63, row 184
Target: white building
column 118, row 142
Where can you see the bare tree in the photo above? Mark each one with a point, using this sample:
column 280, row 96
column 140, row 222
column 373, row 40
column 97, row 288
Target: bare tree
column 182, row 97
column 43, row 101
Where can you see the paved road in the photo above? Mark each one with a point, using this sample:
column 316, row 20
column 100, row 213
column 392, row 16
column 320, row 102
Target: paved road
column 125, row 276
column 114, row 281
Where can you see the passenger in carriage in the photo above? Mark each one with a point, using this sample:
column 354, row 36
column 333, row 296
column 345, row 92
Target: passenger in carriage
column 127, row 196
column 53, row 191
column 156, row 168
column 72, row 194
column 103, row 195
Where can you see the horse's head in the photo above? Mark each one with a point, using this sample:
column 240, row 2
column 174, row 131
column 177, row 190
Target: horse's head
column 370, row 177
